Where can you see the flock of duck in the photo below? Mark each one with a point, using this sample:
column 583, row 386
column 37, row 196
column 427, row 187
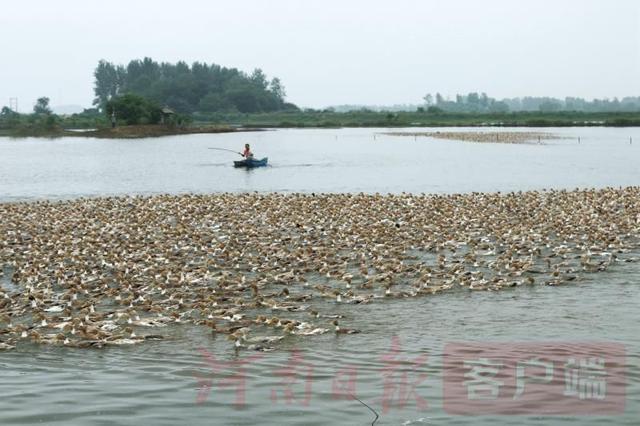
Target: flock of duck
column 483, row 137
column 260, row 268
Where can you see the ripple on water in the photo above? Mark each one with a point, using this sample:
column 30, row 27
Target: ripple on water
column 158, row 383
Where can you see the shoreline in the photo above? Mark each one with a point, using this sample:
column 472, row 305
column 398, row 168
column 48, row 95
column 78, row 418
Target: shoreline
column 125, row 132
column 329, row 119
column 153, row 131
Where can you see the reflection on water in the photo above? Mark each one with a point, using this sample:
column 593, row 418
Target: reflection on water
column 161, row 382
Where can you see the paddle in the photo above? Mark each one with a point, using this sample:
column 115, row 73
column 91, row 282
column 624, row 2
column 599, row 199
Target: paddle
column 230, row 150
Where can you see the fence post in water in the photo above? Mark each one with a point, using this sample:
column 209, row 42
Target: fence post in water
column 538, row 138
column 630, row 140
column 578, row 139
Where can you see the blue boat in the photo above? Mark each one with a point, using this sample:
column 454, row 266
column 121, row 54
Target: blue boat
column 250, row 163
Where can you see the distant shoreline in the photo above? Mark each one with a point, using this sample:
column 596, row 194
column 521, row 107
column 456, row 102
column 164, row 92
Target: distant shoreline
column 125, row 132
column 254, row 125
column 408, row 119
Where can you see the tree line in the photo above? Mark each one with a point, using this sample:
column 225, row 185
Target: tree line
column 475, row 102
column 199, row 87
column 42, row 118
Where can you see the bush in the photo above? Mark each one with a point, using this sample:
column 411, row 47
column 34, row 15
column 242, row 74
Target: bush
column 134, row 109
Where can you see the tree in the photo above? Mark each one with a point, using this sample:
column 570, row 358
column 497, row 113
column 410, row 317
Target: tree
column 499, row 107
column 134, row 109
column 7, row 112
column 473, row 98
column 484, row 100
column 108, row 80
column 428, row 99
column 243, row 98
column 259, row 78
column 42, row 106
column 277, row 89
column 550, row 106
column 199, row 87
column 212, row 102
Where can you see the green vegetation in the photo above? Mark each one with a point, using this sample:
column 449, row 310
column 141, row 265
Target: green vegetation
column 187, row 89
column 481, row 103
column 140, row 115
column 93, row 124
column 50, row 125
column 133, row 109
column 88, row 119
column 147, row 99
column 431, row 118
column 42, row 107
column 41, row 122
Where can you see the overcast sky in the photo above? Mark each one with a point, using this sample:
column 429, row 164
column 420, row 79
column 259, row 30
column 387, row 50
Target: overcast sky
column 332, row 51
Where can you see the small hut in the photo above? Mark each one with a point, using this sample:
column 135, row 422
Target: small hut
column 167, row 114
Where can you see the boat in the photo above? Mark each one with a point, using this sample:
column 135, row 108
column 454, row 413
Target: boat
column 251, row 162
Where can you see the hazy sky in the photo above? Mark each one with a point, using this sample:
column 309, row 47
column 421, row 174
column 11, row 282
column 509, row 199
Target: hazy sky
column 332, row 51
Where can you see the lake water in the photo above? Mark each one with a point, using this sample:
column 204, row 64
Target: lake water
column 346, row 160
column 161, row 382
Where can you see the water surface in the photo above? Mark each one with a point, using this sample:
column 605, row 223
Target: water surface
column 158, row 383
column 311, row 160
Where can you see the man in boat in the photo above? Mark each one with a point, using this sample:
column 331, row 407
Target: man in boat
column 247, row 152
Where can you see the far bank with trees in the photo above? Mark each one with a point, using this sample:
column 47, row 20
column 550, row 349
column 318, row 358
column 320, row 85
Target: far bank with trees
column 145, row 98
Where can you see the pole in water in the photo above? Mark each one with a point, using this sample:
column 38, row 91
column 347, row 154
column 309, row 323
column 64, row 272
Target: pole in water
column 578, row 139
column 538, row 139
column 630, row 140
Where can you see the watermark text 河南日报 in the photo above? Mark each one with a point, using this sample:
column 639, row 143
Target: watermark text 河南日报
column 528, row 378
